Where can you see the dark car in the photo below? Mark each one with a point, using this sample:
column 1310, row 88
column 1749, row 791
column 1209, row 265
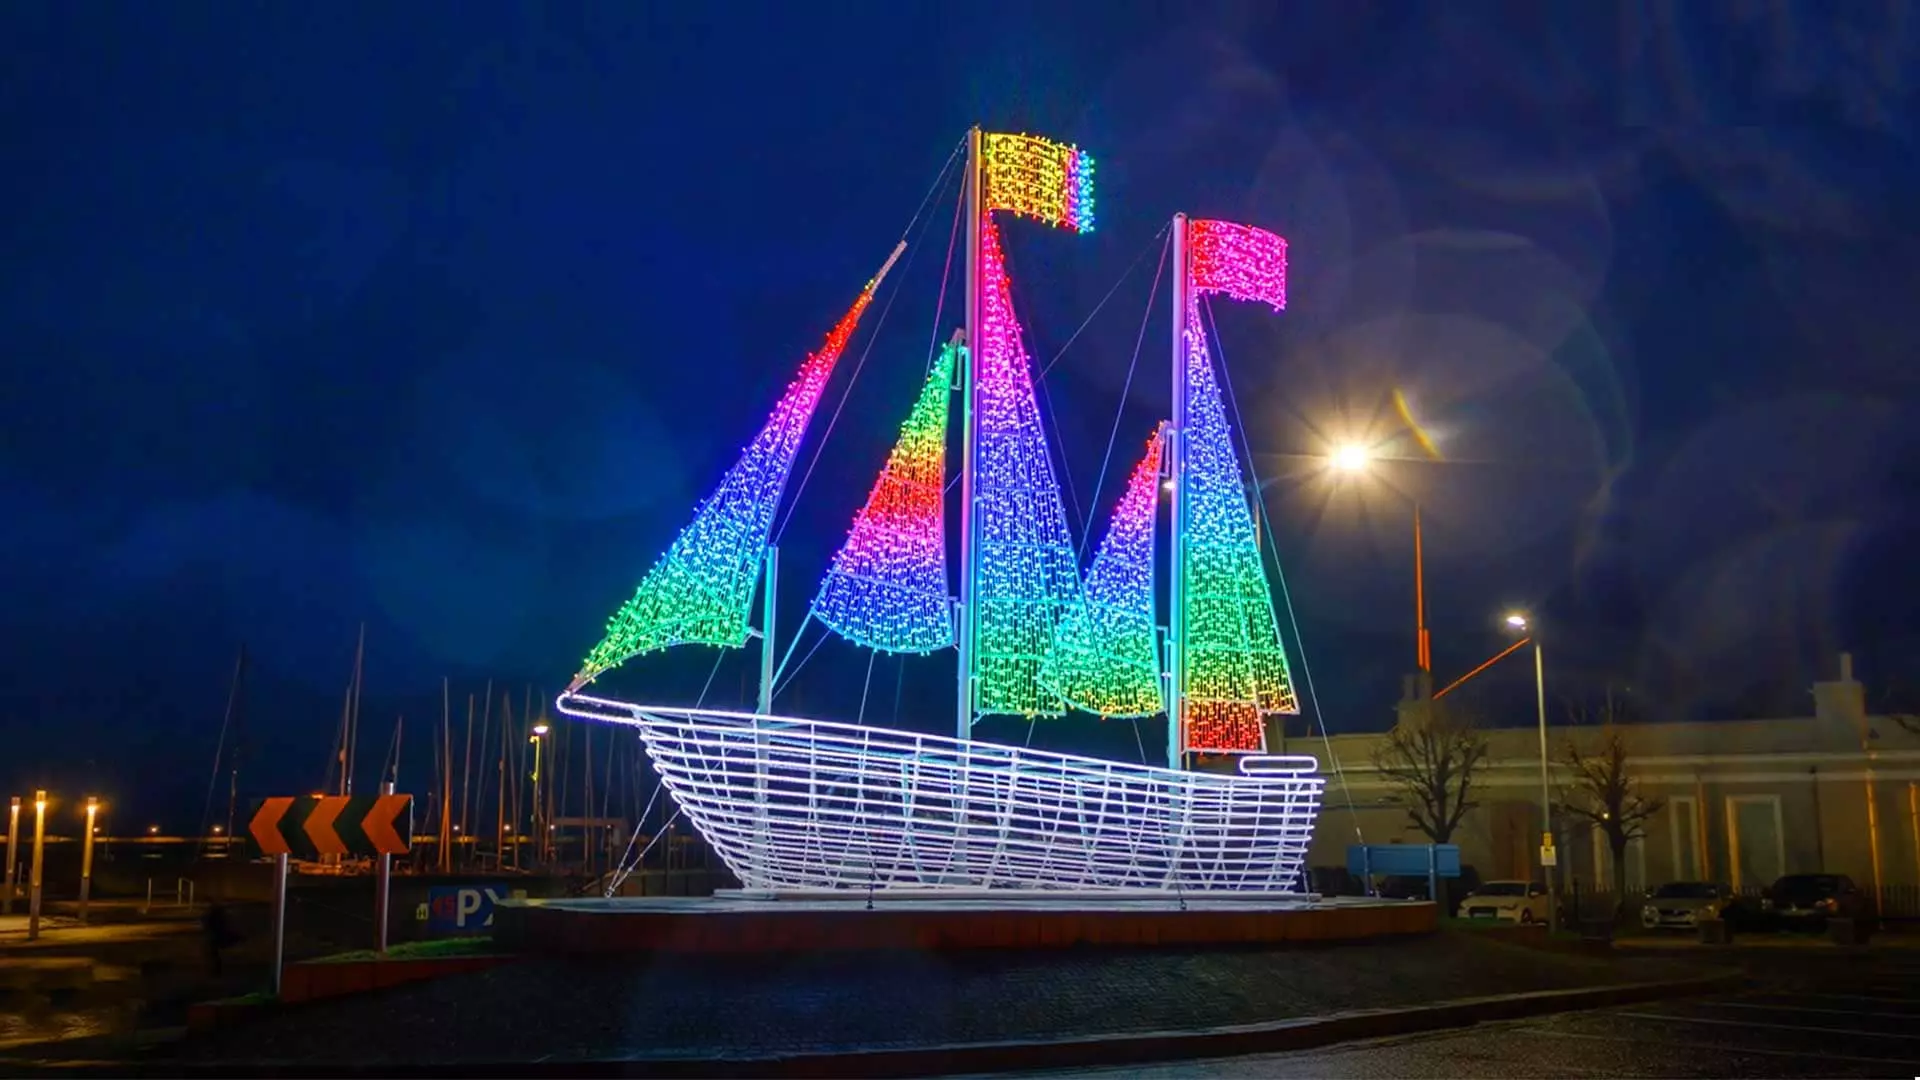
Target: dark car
column 1809, row 900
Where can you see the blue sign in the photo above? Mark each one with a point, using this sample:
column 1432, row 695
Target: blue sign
column 1404, row 860
column 462, row 909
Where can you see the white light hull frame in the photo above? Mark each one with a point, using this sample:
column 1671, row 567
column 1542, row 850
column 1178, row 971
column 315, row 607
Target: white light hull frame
column 803, row 804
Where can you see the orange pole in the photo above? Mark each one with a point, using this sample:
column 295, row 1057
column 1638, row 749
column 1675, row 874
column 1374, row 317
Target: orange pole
column 1423, row 653
column 1496, row 658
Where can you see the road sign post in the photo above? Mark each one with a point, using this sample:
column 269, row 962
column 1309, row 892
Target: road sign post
column 279, row 919
column 382, row 885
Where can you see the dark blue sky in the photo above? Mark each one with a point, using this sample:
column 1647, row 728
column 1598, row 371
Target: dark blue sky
column 440, row 317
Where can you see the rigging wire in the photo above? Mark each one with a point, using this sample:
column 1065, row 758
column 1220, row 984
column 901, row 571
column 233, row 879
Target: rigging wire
column 782, row 684
column 1088, row 321
column 946, row 275
column 1082, row 524
column 1132, row 366
column 1082, row 514
column 1260, row 510
column 866, row 686
column 620, row 873
column 846, row 391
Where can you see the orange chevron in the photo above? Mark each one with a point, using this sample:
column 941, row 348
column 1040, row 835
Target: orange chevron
column 265, row 826
column 378, row 824
column 319, row 825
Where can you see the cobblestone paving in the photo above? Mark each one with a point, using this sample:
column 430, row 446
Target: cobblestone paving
column 676, row 1007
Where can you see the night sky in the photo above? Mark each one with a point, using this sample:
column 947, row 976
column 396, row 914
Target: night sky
column 441, row 317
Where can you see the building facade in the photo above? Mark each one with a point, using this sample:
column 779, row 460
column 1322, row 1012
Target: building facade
column 1745, row 801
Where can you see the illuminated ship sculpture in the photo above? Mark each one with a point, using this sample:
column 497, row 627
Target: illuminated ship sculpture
column 794, row 804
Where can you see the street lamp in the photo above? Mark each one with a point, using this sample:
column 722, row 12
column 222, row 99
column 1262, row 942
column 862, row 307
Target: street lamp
column 539, row 737
column 86, row 856
column 1356, row 459
column 33, row 876
column 13, row 856
column 1520, row 623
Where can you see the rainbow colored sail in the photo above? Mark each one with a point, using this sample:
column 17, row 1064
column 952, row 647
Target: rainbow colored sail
column 887, row 588
column 701, row 589
column 1026, row 575
column 1105, row 657
column 1235, row 666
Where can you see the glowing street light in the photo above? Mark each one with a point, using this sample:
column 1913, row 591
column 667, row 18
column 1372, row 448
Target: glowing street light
column 86, row 856
column 1350, row 458
column 1517, row 621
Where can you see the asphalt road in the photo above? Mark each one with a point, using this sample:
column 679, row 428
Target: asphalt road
column 1860, row 1019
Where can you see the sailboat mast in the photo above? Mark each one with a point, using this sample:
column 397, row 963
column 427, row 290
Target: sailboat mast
column 963, row 637
column 351, row 745
column 1176, row 542
column 769, row 596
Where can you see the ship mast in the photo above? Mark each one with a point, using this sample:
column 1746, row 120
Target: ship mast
column 1176, row 543
column 963, row 611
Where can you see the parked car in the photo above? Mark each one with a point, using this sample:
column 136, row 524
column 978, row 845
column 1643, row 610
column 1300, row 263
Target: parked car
column 1682, row 905
column 1519, row 901
column 1809, row 900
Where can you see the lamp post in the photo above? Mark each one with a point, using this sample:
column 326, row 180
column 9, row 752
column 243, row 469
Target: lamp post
column 1355, row 459
column 86, row 857
column 33, row 878
column 539, row 834
column 1522, row 624
column 13, row 856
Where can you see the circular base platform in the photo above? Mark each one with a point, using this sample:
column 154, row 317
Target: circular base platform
column 747, row 923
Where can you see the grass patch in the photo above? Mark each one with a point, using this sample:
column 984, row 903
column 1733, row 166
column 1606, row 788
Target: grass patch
column 419, row 950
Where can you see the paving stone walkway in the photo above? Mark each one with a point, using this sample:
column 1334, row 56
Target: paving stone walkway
column 626, row 1008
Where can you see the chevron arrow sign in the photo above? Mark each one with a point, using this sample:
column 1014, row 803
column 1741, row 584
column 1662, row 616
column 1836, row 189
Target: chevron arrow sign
column 351, row 826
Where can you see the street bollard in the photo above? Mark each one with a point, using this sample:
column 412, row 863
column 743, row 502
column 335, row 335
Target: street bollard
column 147, row 908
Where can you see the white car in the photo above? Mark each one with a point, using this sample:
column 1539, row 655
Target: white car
column 1519, row 901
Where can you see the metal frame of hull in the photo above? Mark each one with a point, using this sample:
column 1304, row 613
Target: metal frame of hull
column 793, row 804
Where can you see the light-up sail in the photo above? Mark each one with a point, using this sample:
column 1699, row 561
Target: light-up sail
column 701, row 589
column 1105, row 658
column 887, row 588
column 1025, row 572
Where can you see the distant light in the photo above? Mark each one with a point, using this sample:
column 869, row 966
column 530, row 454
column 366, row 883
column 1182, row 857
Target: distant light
column 456, row 828
column 1351, row 457
column 539, row 729
column 1517, row 621
column 218, row 829
column 153, row 830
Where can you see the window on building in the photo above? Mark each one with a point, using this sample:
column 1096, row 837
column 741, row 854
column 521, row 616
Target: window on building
column 1755, row 836
column 1683, row 817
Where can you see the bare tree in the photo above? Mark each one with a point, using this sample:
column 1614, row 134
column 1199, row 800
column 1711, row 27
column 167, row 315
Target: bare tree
column 1604, row 793
column 1432, row 763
